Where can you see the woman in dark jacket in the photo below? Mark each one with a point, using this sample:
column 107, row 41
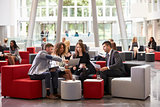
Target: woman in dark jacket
column 84, row 68
column 151, row 45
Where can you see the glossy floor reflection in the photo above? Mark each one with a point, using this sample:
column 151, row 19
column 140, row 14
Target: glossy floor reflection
column 109, row 101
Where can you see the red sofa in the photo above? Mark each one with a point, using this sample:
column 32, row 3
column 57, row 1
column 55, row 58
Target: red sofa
column 157, row 56
column 31, row 50
column 15, row 82
column 24, row 55
column 102, row 64
column 3, row 63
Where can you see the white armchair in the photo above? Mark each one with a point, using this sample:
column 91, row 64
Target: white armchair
column 137, row 86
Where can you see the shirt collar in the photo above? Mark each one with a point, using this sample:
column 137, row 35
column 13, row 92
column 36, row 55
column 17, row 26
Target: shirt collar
column 110, row 52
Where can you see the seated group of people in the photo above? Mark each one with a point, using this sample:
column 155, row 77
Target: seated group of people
column 135, row 46
column 40, row 67
column 13, row 54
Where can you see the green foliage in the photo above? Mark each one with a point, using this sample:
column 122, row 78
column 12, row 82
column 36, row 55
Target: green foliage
column 110, row 2
column 42, row 2
column 82, row 2
column 68, row 3
column 99, row 2
column 79, row 11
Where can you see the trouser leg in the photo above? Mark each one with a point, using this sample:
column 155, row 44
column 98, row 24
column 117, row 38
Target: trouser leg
column 54, row 76
column 45, row 75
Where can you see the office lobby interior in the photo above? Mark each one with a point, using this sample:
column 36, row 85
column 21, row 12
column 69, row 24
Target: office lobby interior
column 28, row 22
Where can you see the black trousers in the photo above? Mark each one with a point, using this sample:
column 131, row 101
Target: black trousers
column 109, row 73
column 2, row 58
column 47, row 76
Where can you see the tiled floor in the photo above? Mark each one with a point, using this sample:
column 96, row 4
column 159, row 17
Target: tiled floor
column 152, row 101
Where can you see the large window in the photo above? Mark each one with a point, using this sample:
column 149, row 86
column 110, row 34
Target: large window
column 76, row 17
column 104, row 30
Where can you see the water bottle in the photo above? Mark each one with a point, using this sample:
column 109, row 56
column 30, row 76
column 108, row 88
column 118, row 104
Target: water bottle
column 73, row 77
column 98, row 75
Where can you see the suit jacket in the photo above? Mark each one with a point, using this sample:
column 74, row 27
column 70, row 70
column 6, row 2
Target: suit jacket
column 116, row 63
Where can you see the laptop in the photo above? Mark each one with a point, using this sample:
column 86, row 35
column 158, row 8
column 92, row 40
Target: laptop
column 73, row 62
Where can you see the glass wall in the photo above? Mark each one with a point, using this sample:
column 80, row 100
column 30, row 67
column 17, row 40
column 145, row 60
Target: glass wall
column 77, row 17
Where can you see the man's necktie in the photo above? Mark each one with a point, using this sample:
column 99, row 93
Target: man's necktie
column 108, row 59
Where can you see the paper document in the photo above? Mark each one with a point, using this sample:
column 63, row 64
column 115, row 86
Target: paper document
column 95, row 65
column 102, row 55
column 53, row 64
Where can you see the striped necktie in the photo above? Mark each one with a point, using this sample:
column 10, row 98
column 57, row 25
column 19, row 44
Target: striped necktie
column 108, row 59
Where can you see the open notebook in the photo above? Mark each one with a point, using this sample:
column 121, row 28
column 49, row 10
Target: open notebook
column 53, row 64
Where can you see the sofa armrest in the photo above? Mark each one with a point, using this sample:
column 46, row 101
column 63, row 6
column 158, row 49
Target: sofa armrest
column 11, row 72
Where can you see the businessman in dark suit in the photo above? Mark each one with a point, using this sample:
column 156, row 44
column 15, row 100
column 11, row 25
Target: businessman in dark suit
column 114, row 66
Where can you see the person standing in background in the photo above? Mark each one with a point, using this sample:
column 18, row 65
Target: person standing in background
column 46, row 34
column 44, row 40
column 76, row 34
column 42, row 34
column 66, row 32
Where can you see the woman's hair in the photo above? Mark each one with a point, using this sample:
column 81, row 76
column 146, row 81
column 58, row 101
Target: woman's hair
column 82, row 46
column 58, row 47
column 113, row 45
column 5, row 40
column 14, row 44
column 152, row 39
column 67, row 43
column 134, row 39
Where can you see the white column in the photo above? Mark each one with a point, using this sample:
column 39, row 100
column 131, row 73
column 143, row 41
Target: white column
column 112, row 30
column 90, row 21
column 75, row 5
column 3, row 33
column 104, row 8
column 24, row 8
column 89, row 26
column 59, row 21
column 95, row 24
column 158, row 5
column 153, row 5
column 47, row 8
column 32, row 22
column 122, row 25
column 154, row 28
column 145, row 30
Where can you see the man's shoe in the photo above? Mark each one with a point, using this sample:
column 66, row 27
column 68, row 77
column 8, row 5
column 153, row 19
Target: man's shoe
column 57, row 95
column 52, row 97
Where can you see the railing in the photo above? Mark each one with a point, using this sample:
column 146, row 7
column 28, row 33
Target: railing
column 70, row 11
column 89, row 40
